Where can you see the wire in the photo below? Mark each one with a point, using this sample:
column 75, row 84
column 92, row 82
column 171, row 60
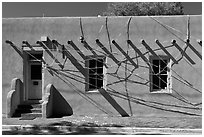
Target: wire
column 81, row 93
column 109, row 41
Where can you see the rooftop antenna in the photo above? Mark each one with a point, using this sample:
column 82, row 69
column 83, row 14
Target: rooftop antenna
column 43, row 15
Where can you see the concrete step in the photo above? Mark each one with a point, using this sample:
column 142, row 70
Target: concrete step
column 16, row 115
column 28, row 109
column 36, row 105
column 31, row 106
column 31, row 115
column 28, row 102
column 23, row 110
column 25, row 106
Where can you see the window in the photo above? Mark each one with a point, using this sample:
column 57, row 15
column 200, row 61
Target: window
column 95, row 72
column 36, row 72
column 160, row 79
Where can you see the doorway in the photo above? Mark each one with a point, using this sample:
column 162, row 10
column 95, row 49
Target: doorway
column 34, row 76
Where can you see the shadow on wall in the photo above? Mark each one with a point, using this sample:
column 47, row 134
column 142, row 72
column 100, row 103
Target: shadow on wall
column 60, row 106
column 55, row 106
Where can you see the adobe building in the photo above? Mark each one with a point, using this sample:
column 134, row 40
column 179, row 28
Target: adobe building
column 140, row 66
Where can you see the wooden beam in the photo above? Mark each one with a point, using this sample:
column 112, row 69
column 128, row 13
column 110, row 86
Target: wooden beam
column 50, row 53
column 167, row 53
column 75, row 62
column 28, row 45
column 77, row 49
column 48, row 43
column 200, row 42
column 110, row 55
column 138, row 51
column 59, row 47
column 20, row 52
column 147, row 47
column 86, row 45
column 112, row 101
column 193, row 49
column 182, row 52
column 125, row 54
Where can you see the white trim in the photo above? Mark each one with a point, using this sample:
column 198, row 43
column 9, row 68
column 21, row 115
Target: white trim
column 169, row 78
column 87, row 89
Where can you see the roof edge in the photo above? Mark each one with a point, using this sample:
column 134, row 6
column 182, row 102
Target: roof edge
column 99, row 17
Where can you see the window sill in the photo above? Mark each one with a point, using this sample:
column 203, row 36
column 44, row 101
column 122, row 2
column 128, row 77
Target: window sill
column 92, row 91
column 161, row 91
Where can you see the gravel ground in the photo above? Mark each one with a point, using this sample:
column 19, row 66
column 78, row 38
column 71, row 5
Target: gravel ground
column 103, row 124
column 116, row 121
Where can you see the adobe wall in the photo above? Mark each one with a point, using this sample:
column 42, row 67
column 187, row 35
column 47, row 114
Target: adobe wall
column 64, row 29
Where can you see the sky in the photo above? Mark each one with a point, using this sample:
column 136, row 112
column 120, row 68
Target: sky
column 59, row 9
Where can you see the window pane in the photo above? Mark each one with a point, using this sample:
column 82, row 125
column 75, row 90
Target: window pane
column 93, row 71
column 100, row 70
column 155, row 81
column 163, row 66
column 100, row 62
column 155, row 66
column 92, row 63
column 35, row 56
column 99, row 81
column 100, row 66
column 163, row 80
column 92, row 82
column 36, row 72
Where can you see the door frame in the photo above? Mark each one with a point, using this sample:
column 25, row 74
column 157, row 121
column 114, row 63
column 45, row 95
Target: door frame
column 26, row 72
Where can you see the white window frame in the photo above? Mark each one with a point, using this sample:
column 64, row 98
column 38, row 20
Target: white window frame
column 169, row 78
column 87, row 88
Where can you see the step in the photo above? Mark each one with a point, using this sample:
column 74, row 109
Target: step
column 23, row 110
column 16, row 115
column 25, row 106
column 31, row 114
column 36, row 105
column 31, row 106
column 32, row 102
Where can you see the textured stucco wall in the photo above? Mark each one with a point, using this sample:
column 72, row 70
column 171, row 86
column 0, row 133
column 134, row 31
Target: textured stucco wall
column 64, row 29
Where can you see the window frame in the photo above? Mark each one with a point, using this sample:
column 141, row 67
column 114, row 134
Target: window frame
column 169, row 77
column 87, row 60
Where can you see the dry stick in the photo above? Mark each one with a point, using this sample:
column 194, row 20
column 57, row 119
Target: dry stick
column 177, row 63
column 154, row 102
column 148, row 52
column 162, row 60
column 109, row 41
column 186, row 84
column 83, row 95
column 49, row 52
column 167, row 28
column 81, row 28
column 126, row 88
column 145, row 101
column 185, row 101
column 156, row 107
column 200, row 42
column 163, row 104
column 28, row 44
column 18, row 50
column 183, row 53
